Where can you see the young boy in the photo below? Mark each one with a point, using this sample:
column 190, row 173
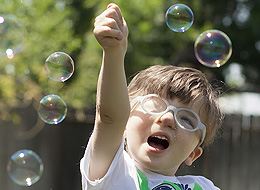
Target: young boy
column 171, row 115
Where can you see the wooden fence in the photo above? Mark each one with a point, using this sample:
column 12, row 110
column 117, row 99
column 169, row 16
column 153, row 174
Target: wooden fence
column 232, row 163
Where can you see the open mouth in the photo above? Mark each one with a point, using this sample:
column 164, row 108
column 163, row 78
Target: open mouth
column 158, row 142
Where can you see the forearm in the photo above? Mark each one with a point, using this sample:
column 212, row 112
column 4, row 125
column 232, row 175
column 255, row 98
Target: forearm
column 111, row 115
column 112, row 96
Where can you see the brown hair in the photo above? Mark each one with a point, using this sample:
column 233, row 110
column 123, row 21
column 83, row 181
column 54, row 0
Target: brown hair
column 186, row 84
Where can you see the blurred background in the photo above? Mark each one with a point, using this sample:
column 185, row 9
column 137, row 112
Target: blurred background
column 39, row 28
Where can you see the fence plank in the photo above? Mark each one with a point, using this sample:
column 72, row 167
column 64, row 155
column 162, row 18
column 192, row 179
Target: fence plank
column 254, row 161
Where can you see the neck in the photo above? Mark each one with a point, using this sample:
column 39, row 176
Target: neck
column 150, row 171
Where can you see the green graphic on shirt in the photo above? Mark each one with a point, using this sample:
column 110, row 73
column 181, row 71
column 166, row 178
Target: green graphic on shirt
column 197, row 187
column 143, row 183
column 142, row 180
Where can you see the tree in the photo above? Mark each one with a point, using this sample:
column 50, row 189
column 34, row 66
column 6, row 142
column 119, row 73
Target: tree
column 66, row 26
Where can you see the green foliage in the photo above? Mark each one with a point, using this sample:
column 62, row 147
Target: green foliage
column 46, row 28
column 66, row 25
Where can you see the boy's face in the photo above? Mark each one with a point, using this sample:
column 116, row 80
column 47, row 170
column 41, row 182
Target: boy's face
column 156, row 143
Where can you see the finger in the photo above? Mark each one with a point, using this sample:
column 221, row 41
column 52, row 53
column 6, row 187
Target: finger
column 108, row 22
column 110, row 5
column 124, row 28
column 108, row 18
column 106, row 31
column 118, row 15
column 112, row 13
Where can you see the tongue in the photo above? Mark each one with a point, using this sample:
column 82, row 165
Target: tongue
column 156, row 145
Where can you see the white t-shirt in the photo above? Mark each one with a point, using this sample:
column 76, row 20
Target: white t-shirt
column 125, row 174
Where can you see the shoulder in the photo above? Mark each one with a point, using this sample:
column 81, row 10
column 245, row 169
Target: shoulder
column 121, row 173
column 199, row 181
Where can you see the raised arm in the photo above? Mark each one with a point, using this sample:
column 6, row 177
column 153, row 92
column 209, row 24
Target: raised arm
column 113, row 107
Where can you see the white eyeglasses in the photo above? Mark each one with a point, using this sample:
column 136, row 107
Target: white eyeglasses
column 184, row 117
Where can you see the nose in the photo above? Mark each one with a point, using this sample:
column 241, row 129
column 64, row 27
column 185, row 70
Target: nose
column 167, row 119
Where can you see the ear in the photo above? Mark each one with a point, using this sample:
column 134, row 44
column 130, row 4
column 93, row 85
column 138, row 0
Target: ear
column 194, row 155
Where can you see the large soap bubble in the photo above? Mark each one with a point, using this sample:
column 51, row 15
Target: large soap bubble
column 25, row 167
column 59, row 66
column 213, row 48
column 52, row 109
column 179, row 17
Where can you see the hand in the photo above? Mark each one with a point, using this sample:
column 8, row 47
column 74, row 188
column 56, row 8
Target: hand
column 111, row 29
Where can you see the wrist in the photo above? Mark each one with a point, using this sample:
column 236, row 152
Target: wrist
column 114, row 52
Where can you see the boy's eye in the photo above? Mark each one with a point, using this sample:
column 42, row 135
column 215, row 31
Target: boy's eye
column 187, row 119
column 187, row 123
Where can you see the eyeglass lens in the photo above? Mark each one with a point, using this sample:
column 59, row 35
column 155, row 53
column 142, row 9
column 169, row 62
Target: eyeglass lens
column 185, row 118
column 154, row 104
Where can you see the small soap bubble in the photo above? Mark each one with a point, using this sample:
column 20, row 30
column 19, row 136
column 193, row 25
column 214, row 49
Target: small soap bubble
column 213, row 48
column 52, row 109
column 12, row 32
column 59, row 66
column 179, row 17
column 25, row 167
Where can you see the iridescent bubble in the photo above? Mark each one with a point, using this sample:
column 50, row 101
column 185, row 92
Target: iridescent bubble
column 25, row 167
column 213, row 48
column 12, row 32
column 179, row 17
column 59, row 66
column 52, row 109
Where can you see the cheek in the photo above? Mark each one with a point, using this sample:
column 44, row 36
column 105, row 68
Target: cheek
column 187, row 139
column 133, row 135
column 134, row 126
column 137, row 129
column 138, row 121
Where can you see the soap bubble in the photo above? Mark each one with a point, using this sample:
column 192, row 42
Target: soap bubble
column 12, row 32
column 179, row 17
column 59, row 66
column 25, row 167
column 52, row 109
column 213, row 48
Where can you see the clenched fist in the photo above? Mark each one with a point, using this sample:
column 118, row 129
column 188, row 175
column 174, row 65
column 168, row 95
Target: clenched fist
column 110, row 29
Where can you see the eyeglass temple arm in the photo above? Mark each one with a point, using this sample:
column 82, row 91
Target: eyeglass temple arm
column 204, row 134
column 135, row 100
